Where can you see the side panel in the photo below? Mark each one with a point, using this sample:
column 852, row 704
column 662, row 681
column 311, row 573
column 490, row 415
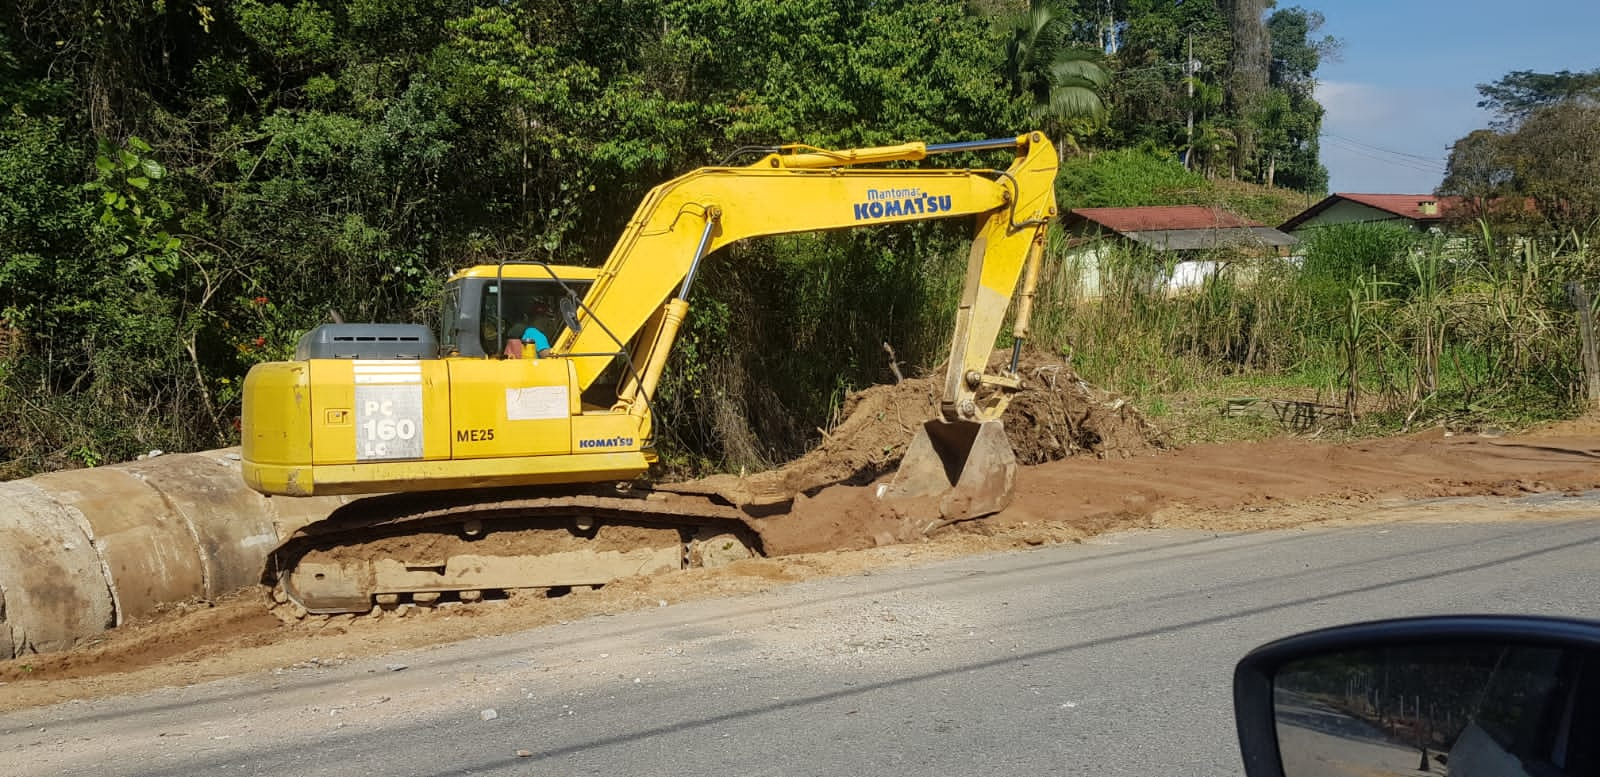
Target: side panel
column 511, row 407
column 607, row 433
column 333, row 436
column 374, row 410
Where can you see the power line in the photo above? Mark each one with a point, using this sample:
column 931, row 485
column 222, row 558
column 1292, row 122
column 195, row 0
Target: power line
column 1388, row 160
column 1401, row 161
column 1429, row 160
column 1398, row 158
column 1407, row 164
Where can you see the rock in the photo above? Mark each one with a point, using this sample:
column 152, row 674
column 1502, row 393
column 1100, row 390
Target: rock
column 488, row 714
column 395, row 667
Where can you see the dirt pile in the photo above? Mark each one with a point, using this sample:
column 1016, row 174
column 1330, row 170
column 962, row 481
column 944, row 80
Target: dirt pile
column 826, row 499
column 1059, row 414
column 1056, row 415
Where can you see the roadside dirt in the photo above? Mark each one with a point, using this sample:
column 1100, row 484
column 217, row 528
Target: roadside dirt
column 1225, row 488
column 1116, row 480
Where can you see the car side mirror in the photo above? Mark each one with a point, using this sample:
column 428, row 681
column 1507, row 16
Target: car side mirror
column 1462, row 696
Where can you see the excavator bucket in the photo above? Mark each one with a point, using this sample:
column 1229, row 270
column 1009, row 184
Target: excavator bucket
column 967, row 466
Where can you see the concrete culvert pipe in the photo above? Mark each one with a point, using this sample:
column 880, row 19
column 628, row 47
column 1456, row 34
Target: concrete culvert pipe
column 84, row 550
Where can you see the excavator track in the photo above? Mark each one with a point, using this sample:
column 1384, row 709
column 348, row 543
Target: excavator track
column 423, row 549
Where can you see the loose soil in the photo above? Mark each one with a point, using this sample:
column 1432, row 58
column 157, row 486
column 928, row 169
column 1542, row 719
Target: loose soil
column 1056, row 415
column 1094, row 470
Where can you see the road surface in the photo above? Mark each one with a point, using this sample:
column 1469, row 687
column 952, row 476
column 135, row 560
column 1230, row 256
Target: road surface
column 1109, row 658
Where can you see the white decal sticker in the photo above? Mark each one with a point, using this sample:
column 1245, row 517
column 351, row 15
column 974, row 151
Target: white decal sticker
column 537, row 403
column 388, row 422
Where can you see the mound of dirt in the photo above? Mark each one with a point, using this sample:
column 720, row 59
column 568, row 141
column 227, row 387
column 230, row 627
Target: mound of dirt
column 1056, row 415
column 825, row 500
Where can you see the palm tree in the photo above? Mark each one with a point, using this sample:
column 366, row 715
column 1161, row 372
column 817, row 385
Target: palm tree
column 1063, row 81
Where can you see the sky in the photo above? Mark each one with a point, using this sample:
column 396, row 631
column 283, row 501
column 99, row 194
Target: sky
column 1403, row 88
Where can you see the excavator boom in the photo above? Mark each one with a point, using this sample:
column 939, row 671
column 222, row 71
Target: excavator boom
column 798, row 190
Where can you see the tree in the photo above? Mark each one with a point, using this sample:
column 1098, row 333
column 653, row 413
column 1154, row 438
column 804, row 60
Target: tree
column 1477, row 168
column 1544, row 147
column 1062, row 81
column 1296, row 51
column 1247, row 72
column 1290, row 120
column 1171, row 62
column 1555, row 160
column 1518, row 94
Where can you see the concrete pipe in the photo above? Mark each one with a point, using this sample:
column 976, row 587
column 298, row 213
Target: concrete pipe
column 84, row 550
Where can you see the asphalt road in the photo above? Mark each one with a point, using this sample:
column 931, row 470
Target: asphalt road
column 1320, row 741
column 1108, row 658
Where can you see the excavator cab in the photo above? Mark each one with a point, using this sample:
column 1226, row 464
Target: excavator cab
column 487, row 305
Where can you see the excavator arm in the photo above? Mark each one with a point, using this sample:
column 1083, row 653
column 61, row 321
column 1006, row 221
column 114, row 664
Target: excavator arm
column 641, row 293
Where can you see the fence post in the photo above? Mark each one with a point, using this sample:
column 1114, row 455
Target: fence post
column 1591, row 358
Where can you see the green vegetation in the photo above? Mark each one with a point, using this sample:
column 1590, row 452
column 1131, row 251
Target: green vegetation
column 1394, row 328
column 188, row 187
column 1144, row 176
column 1536, row 169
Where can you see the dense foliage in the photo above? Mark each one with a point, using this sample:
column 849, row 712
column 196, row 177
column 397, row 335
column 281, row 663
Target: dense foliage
column 1226, row 84
column 191, row 185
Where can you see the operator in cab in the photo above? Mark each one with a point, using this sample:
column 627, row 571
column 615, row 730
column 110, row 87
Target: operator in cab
column 540, row 323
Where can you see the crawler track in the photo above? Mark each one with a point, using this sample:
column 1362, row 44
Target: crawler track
column 422, row 549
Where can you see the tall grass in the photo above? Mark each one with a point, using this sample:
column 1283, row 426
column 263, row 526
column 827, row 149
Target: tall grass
column 1392, row 325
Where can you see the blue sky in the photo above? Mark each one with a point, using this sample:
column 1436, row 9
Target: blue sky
column 1404, row 87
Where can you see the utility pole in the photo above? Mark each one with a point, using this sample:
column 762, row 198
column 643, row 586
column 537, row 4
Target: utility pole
column 1188, row 79
column 1108, row 29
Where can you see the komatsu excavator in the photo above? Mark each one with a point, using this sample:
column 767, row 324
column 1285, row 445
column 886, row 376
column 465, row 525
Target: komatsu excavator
column 493, row 464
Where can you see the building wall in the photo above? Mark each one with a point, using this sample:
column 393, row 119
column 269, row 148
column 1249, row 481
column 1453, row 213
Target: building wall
column 1081, row 270
column 1349, row 212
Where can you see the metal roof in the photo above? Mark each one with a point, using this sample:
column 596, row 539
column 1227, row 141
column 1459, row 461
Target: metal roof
column 1162, row 217
column 1208, row 239
column 1406, row 206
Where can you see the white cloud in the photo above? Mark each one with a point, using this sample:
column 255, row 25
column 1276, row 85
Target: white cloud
column 1392, row 139
column 1353, row 103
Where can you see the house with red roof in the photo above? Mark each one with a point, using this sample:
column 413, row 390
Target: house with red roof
column 1421, row 212
column 1202, row 239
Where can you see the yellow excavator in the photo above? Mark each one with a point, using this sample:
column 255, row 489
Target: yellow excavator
column 504, row 453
